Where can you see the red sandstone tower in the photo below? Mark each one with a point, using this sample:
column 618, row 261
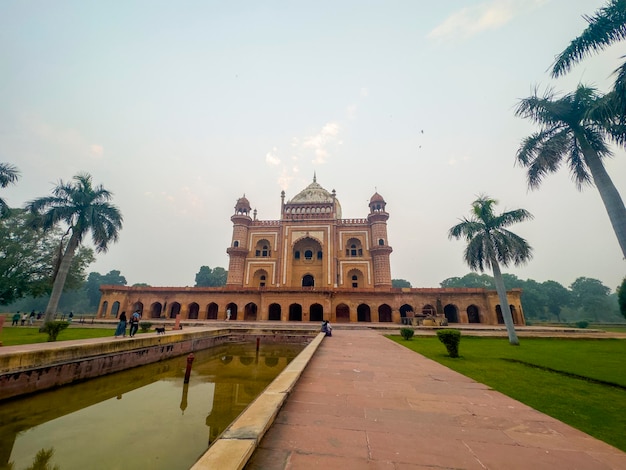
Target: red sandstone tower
column 238, row 249
column 380, row 250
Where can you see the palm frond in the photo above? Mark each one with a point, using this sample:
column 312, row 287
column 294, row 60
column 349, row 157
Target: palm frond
column 579, row 171
column 8, row 174
column 607, row 26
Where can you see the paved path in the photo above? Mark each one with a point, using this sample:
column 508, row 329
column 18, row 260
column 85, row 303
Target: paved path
column 364, row 402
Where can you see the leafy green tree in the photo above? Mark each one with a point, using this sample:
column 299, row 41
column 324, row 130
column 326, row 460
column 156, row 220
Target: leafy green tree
column 591, row 296
column 95, row 280
column 399, row 283
column 621, row 297
column 141, row 284
column 556, row 297
column 568, row 133
column 208, row 277
column 490, row 244
column 84, row 209
column 473, row 280
column 28, row 256
column 9, row 174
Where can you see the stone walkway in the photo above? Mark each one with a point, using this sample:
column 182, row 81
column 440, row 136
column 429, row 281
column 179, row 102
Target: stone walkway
column 364, row 402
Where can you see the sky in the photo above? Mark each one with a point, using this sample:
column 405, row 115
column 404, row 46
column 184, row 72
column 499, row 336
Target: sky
column 180, row 108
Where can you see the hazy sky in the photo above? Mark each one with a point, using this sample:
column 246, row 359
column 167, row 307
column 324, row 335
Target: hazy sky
column 179, row 108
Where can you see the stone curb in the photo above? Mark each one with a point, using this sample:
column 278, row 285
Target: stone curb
column 236, row 444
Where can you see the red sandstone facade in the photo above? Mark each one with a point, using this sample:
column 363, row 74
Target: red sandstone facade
column 311, row 265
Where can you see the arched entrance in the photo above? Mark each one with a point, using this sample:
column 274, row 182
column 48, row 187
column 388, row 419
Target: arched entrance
column 308, row 281
column 194, row 309
column 155, row 310
column 211, row 311
column 115, row 309
column 428, row 309
column 473, row 315
column 316, row 312
column 499, row 315
column 451, row 313
column 516, row 319
column 250, row 312
column 384, row 313
column 138, row 307
column 404, row 309
column 233, row 310
column 295, row 312
column 363, row 313
column 274, row 312
column 105, row 307
column 342, row 313
column 174, row 309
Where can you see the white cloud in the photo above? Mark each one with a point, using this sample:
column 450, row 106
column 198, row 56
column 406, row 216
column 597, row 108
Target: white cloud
column 271, row 157
column 470, row 21
column 320, row 142
column 97, row 150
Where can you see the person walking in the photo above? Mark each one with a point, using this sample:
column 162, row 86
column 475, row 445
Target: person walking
column 16, row 318
column 134, row 323
column 121, row 326
column 31, row 318
column 228, row 314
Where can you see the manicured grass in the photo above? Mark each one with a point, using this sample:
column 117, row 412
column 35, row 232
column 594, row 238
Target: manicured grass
column 14, row 335
column 544, row 378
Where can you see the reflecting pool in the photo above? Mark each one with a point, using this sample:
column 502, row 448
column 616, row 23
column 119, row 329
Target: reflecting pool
column 142, row 418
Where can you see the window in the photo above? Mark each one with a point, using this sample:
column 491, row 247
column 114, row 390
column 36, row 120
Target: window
column 262, row 283
column 296, row 255
column 265, row 251
column 236, row 244
column 355, row 280
column 319, row 255
column 354, row 248
column 381, row 242
column 308, row 254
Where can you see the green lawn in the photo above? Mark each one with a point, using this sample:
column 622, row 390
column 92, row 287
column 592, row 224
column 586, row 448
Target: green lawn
column 14, row 335
column 581, row 382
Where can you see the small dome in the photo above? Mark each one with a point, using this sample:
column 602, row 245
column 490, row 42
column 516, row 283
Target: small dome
column 243, row 205
column 376, row 198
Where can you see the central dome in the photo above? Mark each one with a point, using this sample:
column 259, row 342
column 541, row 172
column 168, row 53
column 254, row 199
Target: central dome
column 313, row 193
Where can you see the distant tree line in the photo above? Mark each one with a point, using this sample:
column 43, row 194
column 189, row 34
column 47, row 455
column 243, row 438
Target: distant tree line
column 585, row 299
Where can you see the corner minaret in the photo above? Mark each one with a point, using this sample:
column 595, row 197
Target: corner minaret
column 380, row 249
column 238, row 249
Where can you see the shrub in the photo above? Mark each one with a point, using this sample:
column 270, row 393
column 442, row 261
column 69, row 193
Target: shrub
column 407, row 333
column 145, row 326
column 582, row 324
column 451, row 339
column 53, row 328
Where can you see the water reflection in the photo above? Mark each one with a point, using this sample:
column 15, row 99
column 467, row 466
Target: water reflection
column 144, row 417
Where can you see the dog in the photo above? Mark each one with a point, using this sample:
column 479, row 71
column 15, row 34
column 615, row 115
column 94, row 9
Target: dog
column 160, row 330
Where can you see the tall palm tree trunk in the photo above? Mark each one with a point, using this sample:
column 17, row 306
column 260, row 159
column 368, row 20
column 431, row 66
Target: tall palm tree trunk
column 504, row 302
column 61, row 276
column 608, row 192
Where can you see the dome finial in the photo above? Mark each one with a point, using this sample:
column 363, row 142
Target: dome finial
column 314, row 177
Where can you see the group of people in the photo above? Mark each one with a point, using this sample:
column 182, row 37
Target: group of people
column 134, row 324
column 23, row 318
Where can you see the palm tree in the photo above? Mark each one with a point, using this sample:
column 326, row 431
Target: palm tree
column 607, row 26
column 83, row 208
column 9, row 174
column 490, row 244
column 570, row 132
